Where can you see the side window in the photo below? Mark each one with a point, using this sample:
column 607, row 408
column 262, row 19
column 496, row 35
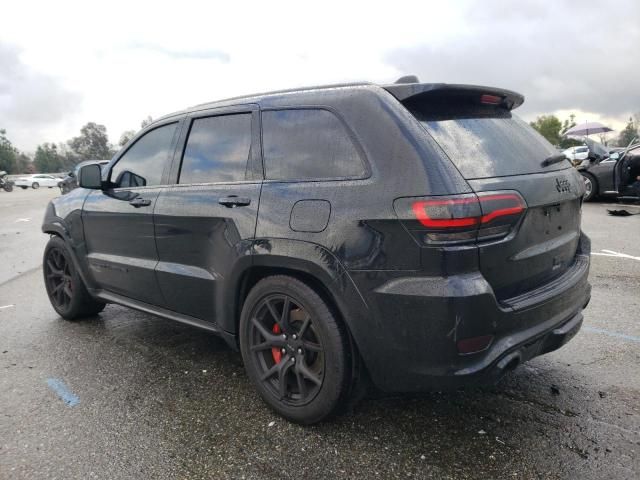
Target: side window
column 217, row 149
column 306, row 144
column 143, row 164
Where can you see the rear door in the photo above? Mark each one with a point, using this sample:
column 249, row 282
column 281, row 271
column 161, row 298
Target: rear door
column 118, row 221
column 497, row 152
column 205, row 221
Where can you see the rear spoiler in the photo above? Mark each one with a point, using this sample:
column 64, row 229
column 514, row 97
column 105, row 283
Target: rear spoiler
column 408, row 93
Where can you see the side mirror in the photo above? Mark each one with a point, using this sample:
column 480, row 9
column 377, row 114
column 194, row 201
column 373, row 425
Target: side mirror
column 90, row 176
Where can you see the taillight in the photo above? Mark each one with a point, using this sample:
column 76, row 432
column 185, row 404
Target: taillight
column 490, row 99
column 474, row 344
column 461, row 218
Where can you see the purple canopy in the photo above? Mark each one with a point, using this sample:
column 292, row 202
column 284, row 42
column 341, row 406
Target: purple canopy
column 587, row 129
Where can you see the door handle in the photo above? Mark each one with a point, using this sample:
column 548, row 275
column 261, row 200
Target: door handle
column 140, row 202
column 234, row 201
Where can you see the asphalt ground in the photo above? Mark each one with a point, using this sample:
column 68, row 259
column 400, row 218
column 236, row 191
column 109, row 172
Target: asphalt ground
column 127, row 395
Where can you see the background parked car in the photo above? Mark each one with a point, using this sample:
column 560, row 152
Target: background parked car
column 38, row 180
column 577, row 154
column 70, row 182
column 612, row 175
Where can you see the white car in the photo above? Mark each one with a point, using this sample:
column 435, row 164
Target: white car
column 38, row 180
column 577, row 153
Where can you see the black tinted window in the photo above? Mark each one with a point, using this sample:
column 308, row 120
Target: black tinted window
column 217, row 149
column 492, row 146
column 307, row 144
column 143, row 164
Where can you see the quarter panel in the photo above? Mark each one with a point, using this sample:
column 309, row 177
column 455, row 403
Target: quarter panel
column 362, row 230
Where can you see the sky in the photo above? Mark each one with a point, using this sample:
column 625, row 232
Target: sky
column 65, row 63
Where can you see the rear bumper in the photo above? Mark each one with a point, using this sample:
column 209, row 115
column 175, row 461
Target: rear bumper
column 483, row 374
column 417, row 321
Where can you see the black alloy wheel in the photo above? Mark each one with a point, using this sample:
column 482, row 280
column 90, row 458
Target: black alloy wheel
column 295, row 349
column 286, row 349
column 66, row 290
column 58, row 278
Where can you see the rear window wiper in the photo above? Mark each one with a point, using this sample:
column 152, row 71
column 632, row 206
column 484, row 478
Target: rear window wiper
column 553, row 159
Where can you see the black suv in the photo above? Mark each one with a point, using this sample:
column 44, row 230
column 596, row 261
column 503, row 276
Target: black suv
column 417, row 235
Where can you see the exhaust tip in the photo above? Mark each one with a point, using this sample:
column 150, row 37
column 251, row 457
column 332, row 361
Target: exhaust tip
column 509, row 363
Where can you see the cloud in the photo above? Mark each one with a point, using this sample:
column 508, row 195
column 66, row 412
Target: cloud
column 116, row 68
column 561, row 56
column 30, row 101
column 182, row 54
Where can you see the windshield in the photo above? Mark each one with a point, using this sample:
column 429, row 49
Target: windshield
column 492, row 146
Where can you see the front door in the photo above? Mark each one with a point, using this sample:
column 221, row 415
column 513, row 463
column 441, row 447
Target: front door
column 118, row 221
column 604, row 173
column 205, row 222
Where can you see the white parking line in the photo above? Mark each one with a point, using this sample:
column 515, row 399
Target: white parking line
column 7, row 306
column 23, row 220
column 611, row 253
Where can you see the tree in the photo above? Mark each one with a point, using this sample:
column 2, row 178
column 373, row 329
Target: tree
column 47, row 159
column 93, row 143
column 628, row 133
column 568, row 123
column 146, row 121
column 549, row 127
column 7, row 154
column 566, row 142
column 23, row 164
column 125, row 137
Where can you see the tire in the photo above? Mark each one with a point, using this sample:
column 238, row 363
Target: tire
column 591, row 184
column 35, row 185
column 65, row 288
column 24, row 188
column 8, row 187
column 306, row 376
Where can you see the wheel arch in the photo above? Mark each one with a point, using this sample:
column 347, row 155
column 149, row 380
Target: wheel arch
column 315, row 266
column 255, row 273
column 55, row 226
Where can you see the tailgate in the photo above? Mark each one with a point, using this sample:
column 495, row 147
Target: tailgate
column 544, row 245
column 495, row 151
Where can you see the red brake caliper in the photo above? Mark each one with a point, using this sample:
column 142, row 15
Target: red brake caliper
column 275, row 352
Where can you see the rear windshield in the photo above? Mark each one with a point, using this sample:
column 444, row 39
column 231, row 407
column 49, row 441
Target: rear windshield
column 491, row 145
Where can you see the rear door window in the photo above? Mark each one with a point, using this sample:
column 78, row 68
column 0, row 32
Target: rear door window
column 308, row 144
column 491, row 146
column 217, row 149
